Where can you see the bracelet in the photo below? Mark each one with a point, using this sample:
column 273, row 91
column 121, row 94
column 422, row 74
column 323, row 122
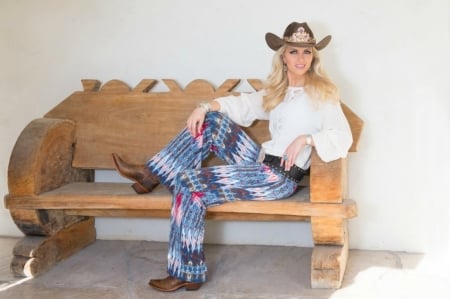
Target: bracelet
column 205, row 106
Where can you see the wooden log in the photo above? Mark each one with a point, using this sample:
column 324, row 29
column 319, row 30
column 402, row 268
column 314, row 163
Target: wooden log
column 328, row 181
column 119, row 196
column 328, row 264
column 41, row 161
column 30, row 222
column 356, row 125
column 166, row 214
column 42, row 156
column 35, row 255
column 328, row 230
column 41, row 222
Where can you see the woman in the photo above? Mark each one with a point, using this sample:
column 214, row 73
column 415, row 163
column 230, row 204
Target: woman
column 302, row 106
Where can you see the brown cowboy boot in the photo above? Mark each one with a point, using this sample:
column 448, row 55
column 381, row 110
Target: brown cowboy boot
column 170, row 284
column 145, row 180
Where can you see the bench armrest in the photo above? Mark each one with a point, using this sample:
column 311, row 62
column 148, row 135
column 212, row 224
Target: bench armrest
column 41, row 159
column 328, row 180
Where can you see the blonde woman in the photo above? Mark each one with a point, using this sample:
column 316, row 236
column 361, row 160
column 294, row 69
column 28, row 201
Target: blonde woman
column 302, row 106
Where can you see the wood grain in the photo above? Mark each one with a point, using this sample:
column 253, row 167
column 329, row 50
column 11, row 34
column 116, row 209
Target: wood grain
column 35, row 255
column 328, row 264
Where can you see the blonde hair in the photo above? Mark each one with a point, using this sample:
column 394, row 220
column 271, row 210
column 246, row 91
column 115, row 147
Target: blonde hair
column 318, row 85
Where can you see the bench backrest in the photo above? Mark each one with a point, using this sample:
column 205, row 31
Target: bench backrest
column 137, row 123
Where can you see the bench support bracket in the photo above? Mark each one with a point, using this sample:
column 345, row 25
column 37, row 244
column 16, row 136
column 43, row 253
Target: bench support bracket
column 328, row 263
column 34, row 255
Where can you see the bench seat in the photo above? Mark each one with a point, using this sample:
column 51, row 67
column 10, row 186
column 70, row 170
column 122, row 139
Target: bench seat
column 119, row 199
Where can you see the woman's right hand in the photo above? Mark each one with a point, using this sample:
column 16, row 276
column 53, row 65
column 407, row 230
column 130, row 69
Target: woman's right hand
column 195, row 121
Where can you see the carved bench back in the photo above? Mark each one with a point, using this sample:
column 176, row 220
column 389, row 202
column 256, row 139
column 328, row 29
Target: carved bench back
column 136, row 123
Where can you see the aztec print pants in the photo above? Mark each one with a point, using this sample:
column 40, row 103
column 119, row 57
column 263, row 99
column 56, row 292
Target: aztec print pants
column 194, row 188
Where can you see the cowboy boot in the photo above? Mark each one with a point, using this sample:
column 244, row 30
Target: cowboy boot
column 145, row 180
column 170, row 284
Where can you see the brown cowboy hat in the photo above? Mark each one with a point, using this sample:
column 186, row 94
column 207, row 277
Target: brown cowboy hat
column 297, row 35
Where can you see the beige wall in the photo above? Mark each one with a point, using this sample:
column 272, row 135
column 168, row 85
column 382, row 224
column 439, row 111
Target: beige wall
column 390, row 59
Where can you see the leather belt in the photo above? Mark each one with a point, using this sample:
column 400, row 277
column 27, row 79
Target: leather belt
column 295, row 173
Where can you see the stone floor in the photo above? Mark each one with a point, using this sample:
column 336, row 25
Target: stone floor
column 121, row 269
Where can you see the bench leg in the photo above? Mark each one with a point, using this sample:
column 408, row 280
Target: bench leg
column 330, row 253
column 34, row 255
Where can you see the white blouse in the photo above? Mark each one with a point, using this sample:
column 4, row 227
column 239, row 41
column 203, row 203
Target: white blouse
column 296, row 115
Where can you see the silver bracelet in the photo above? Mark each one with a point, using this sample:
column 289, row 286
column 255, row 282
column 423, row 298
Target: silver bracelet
column 205, row 106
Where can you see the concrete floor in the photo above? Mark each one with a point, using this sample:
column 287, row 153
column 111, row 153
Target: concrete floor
column 121, row 269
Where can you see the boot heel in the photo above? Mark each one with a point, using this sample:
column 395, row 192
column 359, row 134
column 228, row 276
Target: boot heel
column 139, row 189
column 193, row 286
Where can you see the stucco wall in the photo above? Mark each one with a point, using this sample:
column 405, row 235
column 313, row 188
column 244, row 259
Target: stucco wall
column 390, row 59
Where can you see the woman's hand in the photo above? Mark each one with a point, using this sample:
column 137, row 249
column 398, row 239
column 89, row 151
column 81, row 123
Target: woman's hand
column 197, row 118
column 195, row 121
column 292, row 151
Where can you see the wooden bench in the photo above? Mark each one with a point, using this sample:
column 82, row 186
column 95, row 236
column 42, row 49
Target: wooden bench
column 53, row 197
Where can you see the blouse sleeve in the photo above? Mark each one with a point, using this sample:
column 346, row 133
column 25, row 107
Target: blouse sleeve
column 243, row 109
column 335, row 137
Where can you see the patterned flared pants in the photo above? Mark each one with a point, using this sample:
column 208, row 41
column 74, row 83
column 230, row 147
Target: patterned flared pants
column 194, row 188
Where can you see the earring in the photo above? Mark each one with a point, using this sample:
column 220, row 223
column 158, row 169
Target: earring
column 284, row 67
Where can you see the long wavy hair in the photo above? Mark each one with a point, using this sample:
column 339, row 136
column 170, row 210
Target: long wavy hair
column 318, row 85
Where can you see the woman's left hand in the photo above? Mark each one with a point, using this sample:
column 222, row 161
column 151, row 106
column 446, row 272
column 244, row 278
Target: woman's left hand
column 292, row 151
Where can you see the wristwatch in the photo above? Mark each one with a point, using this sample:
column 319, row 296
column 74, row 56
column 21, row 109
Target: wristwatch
column 308, row 139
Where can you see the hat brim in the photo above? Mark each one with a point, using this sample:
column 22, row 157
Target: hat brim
column 274, row 42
